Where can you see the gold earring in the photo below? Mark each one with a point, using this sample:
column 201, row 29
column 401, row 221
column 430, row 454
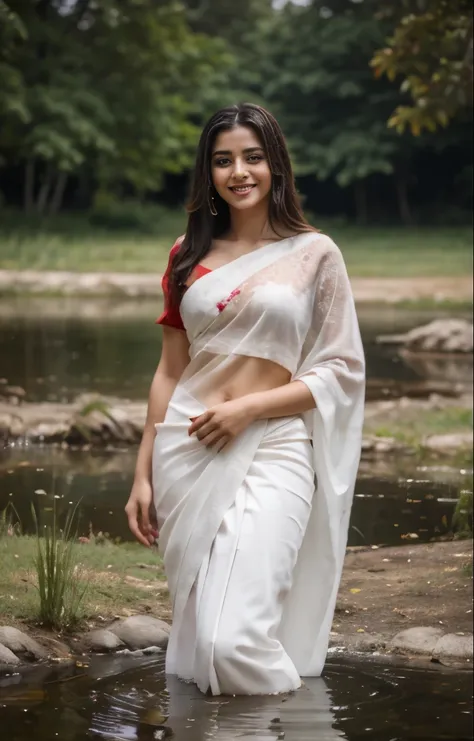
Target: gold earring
column 212, row 204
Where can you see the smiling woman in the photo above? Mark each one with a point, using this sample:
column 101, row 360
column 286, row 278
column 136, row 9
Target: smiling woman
column 260, row 386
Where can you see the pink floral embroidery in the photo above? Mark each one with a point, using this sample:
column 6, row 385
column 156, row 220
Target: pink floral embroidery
column 222, row 304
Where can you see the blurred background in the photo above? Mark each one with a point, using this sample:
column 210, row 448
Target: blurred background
column 101, row 106
column 102, row 103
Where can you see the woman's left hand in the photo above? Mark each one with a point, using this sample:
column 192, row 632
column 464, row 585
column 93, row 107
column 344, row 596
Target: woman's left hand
column 222, row 423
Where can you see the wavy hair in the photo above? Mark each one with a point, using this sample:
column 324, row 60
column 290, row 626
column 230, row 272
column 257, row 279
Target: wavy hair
column 284, row 208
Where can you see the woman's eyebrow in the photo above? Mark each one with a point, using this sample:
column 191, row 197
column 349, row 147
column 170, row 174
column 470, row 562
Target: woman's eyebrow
column 248, row 150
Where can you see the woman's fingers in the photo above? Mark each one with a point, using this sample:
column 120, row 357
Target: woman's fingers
column 223, row 443
column 134, row 526
column 212, row 438
column 198, row 422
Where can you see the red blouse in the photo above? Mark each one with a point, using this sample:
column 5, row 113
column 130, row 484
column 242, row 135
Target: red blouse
column 171, row 316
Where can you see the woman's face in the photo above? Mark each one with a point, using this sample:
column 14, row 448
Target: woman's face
column 239, row 167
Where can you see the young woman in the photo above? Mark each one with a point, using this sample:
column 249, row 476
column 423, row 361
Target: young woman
column 259, row 391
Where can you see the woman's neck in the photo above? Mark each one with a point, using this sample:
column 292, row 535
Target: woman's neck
column 250, row 226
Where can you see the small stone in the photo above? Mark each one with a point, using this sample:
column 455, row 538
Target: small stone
column 450, row 442
column 453, row 646
column 142, row 631
column 102, row 640
column 7, row 656
column 417, row 640
column 20, row 643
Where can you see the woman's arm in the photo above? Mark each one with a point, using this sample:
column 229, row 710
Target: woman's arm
column 284, row 401
column 222, row 423
column 173, row 361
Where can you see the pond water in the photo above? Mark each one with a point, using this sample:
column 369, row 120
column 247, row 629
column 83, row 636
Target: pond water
column 58, row 348
column 401, row 503
column 129, row 698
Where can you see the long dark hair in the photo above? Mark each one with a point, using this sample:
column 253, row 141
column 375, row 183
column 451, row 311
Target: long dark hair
column 284, row 209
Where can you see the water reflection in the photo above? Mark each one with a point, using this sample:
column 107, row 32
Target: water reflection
column 129, row 698
column 58, row 348
column 390, row 504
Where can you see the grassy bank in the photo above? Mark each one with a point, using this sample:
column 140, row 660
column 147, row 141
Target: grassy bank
column 411, row 424
column 122, row 579
column 73, row 243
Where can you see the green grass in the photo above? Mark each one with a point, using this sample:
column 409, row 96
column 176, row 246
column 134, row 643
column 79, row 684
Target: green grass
column 412, row 424
column 72, row 243
column 121, row 579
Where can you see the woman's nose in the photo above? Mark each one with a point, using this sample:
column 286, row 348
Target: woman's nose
column 240, row 172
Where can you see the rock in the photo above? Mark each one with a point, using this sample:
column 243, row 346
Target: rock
column 450, row 443
column 452, row 646
column 102, row 640
column 7, row 656
column 12, row 394
column 386, row 389
column 20, row 643
column 142, row 631
column 441, row 335
column 376, row 444
column 417, row 640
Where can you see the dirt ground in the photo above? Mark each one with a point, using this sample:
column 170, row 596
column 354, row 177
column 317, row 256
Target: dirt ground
column 387, row 590
column 383, row 591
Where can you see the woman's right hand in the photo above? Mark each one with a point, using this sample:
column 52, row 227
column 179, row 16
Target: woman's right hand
column 141, row 514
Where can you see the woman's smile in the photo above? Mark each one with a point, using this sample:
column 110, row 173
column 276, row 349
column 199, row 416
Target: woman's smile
column 242, row 190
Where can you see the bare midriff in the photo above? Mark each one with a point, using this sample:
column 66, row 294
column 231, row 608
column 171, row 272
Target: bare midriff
column 243, row 375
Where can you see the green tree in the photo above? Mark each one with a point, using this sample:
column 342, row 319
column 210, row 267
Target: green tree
column 323, row 90
column 118, row 87
column 431, row 51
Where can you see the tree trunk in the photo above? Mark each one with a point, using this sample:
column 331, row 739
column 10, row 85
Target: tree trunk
column 58, row 193
column 360, row 194
column 404, row 210
column 45, row 189
column 29, row 185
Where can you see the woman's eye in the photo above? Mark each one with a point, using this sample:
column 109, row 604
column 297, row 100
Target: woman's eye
column 255, row 158
column 222, row 162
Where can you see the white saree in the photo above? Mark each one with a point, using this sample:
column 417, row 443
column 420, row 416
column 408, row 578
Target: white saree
column 253, row 552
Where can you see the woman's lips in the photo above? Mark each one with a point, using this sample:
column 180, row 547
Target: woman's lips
column 242, row 190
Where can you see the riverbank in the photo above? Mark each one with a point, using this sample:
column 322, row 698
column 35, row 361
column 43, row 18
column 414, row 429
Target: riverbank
column 367, row 289
column 428, row 423
column 401, row 602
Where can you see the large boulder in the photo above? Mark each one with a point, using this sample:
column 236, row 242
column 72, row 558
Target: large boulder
column 440, row 335
column 20, row 643
column 417, row 640
column 142, row 631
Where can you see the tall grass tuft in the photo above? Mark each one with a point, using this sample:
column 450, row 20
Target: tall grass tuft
column 9, row 525
column 61, row 591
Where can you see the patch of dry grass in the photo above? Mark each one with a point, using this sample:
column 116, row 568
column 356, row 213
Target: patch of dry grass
column 122, row 580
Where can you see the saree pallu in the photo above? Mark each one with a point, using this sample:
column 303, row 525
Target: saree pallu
column 252, row 550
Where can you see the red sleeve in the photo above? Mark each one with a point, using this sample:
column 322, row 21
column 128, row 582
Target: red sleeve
column 170, row 316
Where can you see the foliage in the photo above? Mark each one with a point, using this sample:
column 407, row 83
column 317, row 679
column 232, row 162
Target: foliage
column 431, row 48
column 462, row 517
column 107, row 567
column 119, row 87
column 127, row 215
column 61, row 592
column 324, row 91
column 105, row 99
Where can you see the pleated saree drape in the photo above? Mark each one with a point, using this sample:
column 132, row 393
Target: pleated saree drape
column 253, row 551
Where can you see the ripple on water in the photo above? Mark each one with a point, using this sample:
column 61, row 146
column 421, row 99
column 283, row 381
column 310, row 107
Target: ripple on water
column 123, row 698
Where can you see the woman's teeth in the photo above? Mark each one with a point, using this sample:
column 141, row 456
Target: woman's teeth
column 242, row 189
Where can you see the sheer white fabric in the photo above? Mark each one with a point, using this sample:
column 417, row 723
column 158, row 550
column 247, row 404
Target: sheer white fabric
column 289, row 302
